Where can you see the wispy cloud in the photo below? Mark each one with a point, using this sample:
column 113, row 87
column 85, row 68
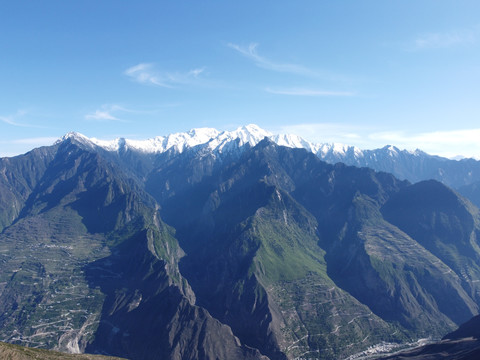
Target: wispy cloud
column 251, row 53
column 308, row 92
column 13, row 119
column 148, row 74
column 102, row 115
column 449, row 144
column 107, row 113
column 444, row 40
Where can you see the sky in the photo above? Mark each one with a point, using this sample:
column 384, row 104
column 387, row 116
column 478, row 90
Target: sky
column 366, row 73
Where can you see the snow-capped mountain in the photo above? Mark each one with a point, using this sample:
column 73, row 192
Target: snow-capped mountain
column 186, row 254
column 217, row 141
column 201, row 242
column 404, row 164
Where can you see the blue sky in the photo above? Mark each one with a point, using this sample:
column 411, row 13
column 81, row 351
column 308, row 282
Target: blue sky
column 366, row 73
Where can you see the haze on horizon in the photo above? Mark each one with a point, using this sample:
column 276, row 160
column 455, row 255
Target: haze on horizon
column 368, row 74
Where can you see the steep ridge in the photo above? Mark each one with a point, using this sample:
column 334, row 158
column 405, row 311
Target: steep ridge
column 404, row 164
column 18, row 177
column 268, row 252
column 256, row 261
column 445, row 224
column 471, row 191
column 394, row 268
column 331, row 236
column 88, row 260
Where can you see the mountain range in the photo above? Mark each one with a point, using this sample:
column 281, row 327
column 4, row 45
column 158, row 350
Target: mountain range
column 231, row 245
column 462, row 175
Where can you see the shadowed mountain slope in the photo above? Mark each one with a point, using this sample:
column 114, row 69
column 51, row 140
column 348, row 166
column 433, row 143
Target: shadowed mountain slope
column 461, row 344
column 281, row 220
column 89, row 247
column 264, row 253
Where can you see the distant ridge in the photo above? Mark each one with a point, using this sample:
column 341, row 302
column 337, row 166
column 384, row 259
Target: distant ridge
column 215, row 140
column 462, row 175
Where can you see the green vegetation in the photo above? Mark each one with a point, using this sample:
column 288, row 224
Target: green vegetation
column 273, row 252
column 288, row 249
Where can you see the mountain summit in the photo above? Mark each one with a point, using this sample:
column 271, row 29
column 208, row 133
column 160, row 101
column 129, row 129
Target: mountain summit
column 178, row 142
column 463, row 175
column 216, row 141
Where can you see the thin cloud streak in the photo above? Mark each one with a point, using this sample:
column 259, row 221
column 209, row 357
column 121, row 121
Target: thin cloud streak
column 308, row 92
column 106, row 113
column 147, row 74
column 115, row 112
column 101, row 115
column 12, row 120
column 9, row 120
column 251, row 53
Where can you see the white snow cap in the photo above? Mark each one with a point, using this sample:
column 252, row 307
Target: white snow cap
column 216, row 141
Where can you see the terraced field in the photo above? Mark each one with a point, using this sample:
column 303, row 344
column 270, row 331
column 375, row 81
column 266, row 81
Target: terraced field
column 44, row 285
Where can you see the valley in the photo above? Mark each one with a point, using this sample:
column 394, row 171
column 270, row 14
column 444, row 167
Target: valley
column 243, row 250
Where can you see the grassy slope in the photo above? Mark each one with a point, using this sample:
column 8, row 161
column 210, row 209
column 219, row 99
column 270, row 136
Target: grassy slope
column 316, row 318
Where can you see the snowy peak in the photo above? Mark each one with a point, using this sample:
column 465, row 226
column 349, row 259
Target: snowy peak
column 251, row 134
column 338, row 151
column 74, row 136
column 391, row 150
column 294, row 141
column 78, row 138
column 212, row 138
column 177, row 141
column 229, row 141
